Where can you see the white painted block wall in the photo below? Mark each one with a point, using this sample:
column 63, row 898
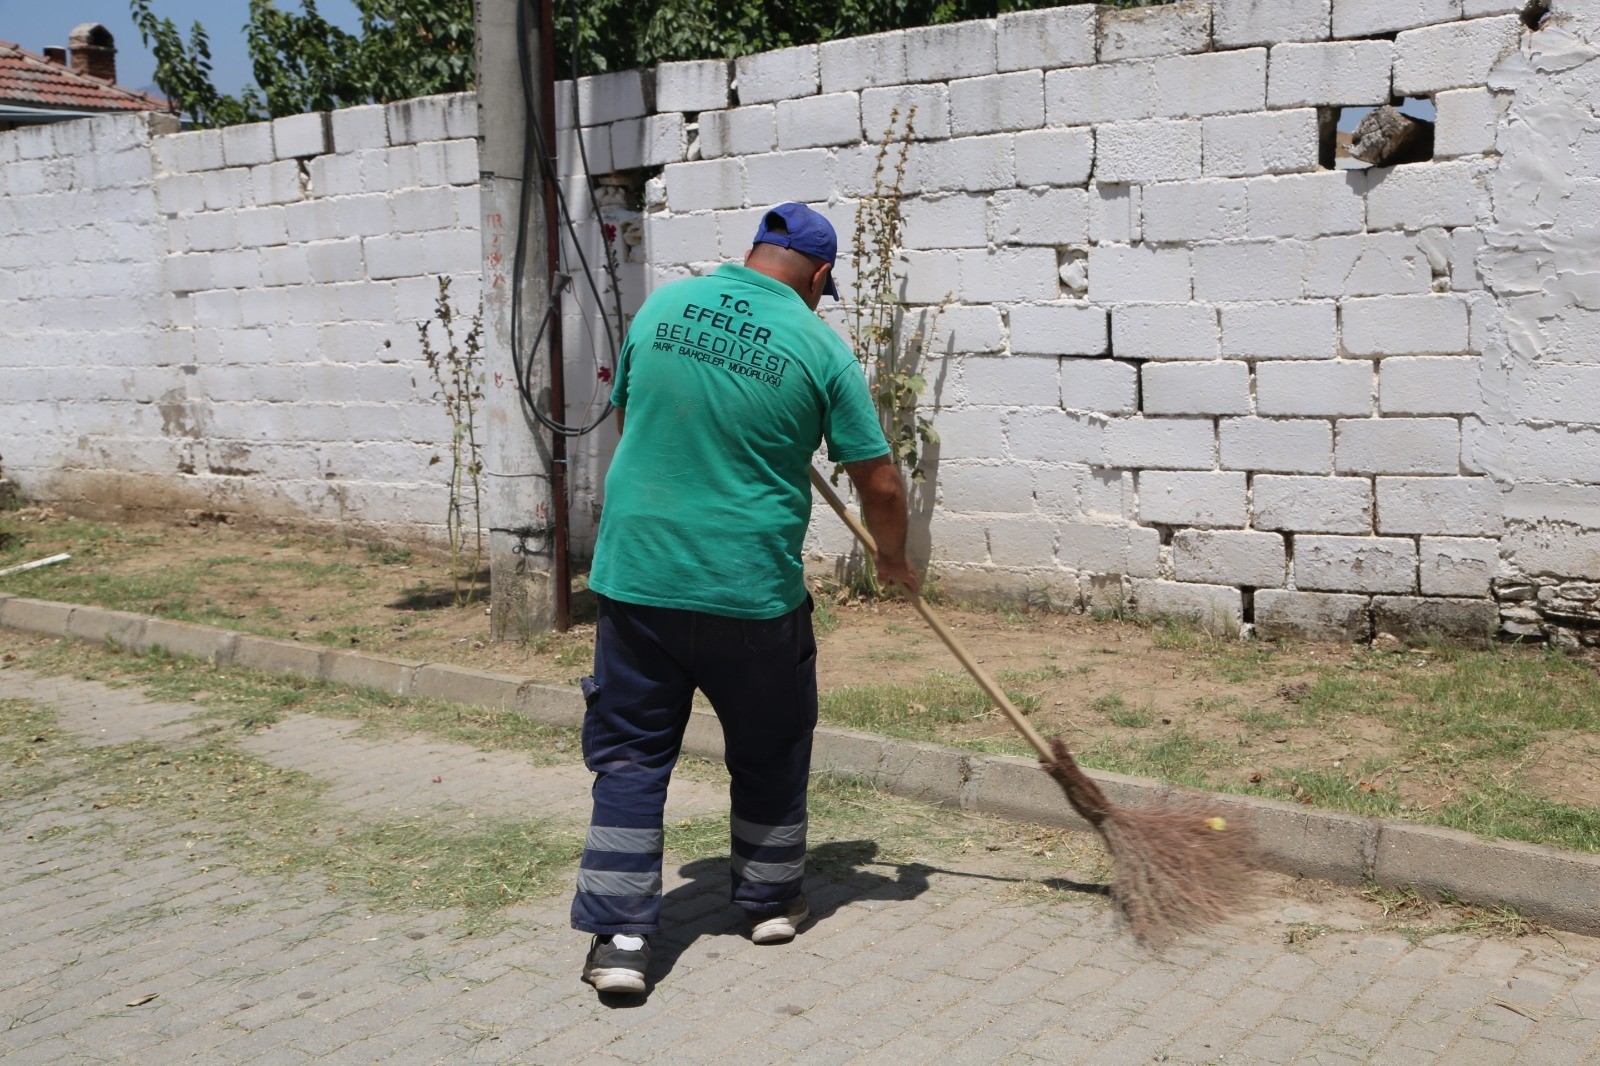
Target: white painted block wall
column 1182, row 368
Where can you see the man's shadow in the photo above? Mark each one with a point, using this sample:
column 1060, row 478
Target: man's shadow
column 838, row 873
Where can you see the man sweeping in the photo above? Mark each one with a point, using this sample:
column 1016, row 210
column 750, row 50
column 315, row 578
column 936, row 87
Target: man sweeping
column 726, row 385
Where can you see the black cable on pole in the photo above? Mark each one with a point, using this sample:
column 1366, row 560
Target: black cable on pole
column 535, row 146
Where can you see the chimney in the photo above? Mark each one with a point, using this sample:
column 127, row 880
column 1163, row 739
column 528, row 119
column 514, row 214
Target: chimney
column 94, row 52
column 56, row 54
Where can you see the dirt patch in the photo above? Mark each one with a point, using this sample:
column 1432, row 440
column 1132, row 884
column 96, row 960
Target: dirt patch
column 1328, row 724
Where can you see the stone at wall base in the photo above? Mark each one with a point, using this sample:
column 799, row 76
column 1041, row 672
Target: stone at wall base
column 1416, row 618
column 1311, row 615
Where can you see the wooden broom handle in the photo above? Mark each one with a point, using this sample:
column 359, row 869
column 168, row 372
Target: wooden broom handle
column 984, row 681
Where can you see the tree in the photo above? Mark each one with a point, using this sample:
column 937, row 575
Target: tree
column 304, row 63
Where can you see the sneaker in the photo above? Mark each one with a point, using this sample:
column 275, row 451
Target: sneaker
column 617, row 963
column 776, row 928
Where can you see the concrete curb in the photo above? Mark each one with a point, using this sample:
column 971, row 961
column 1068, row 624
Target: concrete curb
column 1558, row 888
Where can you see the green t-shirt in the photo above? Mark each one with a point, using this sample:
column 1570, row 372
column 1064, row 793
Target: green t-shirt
column 729, row 383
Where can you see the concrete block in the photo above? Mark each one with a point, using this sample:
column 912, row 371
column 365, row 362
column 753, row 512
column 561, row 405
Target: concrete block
column 1054, row 157
column 696, row 85
column 1082, row 96
column 1272, row 142
column 1420, row 620
column 741, row 131
column 1429, row 385
column 1404, row 325
column 247, row 145
column 1139, row 273
column 1280, row 331
column 1182, row 212
column 1164, row 331
column 1236, row 25
column 1337, row 73
column 1453, row 55
column 1546, row 884
column 298, row 136
column 461, row 685
column 1230, row 557
column 189, row 153
column 1307, row 205
column 1021, row 541
column 1102, row 548
column 651, row 141
column 969, row 487
column 417, row 120
column 1368, row 18
column 1458, row 566
column 1314, row 389
column 271, row 656
column 379, row 673
column 886, row 112
column 1039, row 216
column 819, row 120
column 710, row 185
column 189, row 640
column 952, row 220
column 1012, row 787
column 1052, row 435
column 781, row 75
column 1103, row 386
column 1420, row 195
column 930, row 277
column 1255, row 270
column 117, row 629
column 1008, row 274
column 1270, row 445
column 1218, row 608
column 225, row 189
column 1169, row 29
column 1311, row 504
column 680, row 238
column 950, row 51
column 1146, row 151
column 1168, row 443
column 1209, row 388
column 356, row 128
column 1374, row 264
column 848, row 753
column 1191, row 498
column 1047, row 39
column 343, row 174
column 963, row 329
column 1064, row 328
column 780, row 176
column 1009, row 382
column 36, row 616
column 1215, row 83
column 1281, row 615
column 1355, row 564
column 560, row 706
column 1466, row 123
column 976, row 164
column 858, row 62
column 997, row 103
column 1463, row 506
column 1399, row 446
column 1114, row 213
column 606, row 98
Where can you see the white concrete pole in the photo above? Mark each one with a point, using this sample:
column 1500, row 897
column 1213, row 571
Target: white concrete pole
column 517, row 455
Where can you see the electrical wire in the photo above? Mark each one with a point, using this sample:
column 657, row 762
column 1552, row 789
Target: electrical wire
column 534, row 145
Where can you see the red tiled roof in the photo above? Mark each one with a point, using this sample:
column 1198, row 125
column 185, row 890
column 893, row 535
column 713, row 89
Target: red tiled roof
column 32, row 80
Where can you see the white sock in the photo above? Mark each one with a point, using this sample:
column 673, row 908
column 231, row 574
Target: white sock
column 628, row 943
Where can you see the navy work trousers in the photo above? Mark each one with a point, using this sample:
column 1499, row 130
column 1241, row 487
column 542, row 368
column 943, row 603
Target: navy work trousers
column 761, row 679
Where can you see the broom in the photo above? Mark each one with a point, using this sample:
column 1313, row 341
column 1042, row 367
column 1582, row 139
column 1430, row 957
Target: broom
column 1177, row 866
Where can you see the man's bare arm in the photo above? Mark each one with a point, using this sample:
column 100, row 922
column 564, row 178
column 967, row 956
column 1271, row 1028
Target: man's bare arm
column 883, row 504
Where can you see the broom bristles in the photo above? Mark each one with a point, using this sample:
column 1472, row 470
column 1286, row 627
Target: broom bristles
column 1177, row 866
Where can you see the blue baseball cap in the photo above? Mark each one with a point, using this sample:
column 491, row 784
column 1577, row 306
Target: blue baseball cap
column 803, row 230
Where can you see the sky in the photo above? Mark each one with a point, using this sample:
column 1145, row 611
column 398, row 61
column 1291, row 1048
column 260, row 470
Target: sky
column 34, row 25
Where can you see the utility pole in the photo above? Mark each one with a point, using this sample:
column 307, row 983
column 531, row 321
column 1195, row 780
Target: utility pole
column 522, row 462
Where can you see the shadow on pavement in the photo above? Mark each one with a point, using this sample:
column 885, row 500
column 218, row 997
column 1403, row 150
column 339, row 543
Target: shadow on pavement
column 838, row 873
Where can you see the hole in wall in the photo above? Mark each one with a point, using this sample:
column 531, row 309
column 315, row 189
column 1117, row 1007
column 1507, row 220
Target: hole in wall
column 1247, row 596
column 1381, row 134
column 1533, row 15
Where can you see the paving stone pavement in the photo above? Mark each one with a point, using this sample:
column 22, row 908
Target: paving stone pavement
column 907, row 962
